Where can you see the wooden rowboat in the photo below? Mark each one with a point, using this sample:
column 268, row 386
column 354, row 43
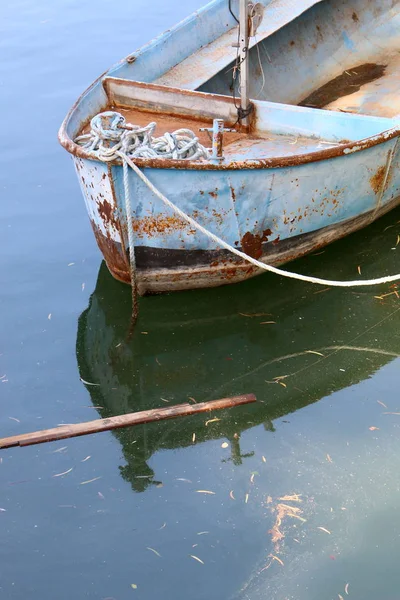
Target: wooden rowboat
column 311, row 154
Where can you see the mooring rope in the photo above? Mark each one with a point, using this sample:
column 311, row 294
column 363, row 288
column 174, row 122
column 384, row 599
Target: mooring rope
column 131, row 243
column 254, row 261
column 128, row 142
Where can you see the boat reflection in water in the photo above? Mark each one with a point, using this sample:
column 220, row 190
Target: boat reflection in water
column 289, row 343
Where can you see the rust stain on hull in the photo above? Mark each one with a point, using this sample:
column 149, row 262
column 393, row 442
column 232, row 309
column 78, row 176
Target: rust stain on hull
column 377, row 180
column 149, row 226
column 252, row 243
column 106, row 212
column 114, row 255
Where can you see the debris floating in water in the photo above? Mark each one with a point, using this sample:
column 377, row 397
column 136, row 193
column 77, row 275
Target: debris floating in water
column 196, row 558
column 63, row 473
column 224, row 445
column 325, row 289
column 231, row 495
column 154, row 551
column 325, row 530
column 346, row 588
column 277, row 559
column 381, row 403
column 255, row 315
column 282, row 511
column 205, row 492
column 292, row 498
column 60, row 450
column 76, row 429
column 88, row 382
column 272, row 557
column 89, row 480
column 383, row 296
column 373, row 428
column 328, row 458
column 212, row 421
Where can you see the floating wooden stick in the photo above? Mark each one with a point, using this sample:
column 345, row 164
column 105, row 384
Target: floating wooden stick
column 145, row 416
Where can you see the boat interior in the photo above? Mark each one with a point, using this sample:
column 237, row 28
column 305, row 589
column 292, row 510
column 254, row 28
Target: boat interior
column 326, row 76
column 338, row 55
column 278, row 130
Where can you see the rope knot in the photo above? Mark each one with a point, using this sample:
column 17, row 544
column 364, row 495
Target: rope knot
column 108, row 125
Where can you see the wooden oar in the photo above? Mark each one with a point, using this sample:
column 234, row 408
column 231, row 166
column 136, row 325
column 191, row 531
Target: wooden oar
column 138, row 418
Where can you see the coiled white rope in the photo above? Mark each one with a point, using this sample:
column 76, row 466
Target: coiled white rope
column 109, row 133
column 133, row 142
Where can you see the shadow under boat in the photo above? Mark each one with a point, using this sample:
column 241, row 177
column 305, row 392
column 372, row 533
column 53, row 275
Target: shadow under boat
column 289, row 343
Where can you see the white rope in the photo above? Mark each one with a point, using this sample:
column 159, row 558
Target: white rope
column 109, row 134
column 131, row 243
column 255, row 262
column 110, row 137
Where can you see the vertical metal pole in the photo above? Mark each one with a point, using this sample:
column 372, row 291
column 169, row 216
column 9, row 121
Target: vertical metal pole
column 218, row 129
column 243, row 55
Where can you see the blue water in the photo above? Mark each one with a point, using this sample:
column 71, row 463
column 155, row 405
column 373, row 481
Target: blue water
column 120, row 515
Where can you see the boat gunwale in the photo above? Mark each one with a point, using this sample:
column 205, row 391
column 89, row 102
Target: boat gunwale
column 294, row 160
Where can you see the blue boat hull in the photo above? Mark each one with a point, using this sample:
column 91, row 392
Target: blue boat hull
column 276, row 215
column 274, row 208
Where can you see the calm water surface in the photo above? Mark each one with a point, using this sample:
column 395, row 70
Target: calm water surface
column 306, row 484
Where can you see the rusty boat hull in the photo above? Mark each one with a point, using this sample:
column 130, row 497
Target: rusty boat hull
column 320, row 160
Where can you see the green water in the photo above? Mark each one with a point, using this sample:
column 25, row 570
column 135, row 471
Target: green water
column 123, row 515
